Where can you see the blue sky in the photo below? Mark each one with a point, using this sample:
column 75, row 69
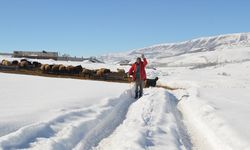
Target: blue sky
column 95, row 27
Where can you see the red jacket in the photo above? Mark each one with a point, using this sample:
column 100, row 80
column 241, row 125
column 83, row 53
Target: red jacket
column 132, row 70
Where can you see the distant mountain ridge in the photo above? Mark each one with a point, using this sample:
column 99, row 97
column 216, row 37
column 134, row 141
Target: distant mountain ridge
column 168, row 50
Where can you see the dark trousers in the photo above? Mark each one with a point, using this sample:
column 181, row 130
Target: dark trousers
column 139, row 84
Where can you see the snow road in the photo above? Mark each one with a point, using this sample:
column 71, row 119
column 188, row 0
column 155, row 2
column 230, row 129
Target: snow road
column 151, row 122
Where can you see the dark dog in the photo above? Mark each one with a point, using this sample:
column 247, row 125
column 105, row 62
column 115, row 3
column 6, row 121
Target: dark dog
column 151, row 82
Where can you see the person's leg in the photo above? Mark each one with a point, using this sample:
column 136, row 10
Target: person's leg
column 141, row 84
column 136, row 88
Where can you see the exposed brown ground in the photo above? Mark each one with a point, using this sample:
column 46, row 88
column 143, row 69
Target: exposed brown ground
column 40, row 73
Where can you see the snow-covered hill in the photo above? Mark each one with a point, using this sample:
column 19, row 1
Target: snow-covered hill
column 196, row 52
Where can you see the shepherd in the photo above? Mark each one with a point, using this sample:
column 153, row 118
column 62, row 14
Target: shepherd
column 138, row 73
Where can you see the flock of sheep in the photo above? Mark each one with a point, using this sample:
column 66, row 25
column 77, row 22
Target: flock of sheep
column 23, row 63
column 102, row 73
column 97, row 74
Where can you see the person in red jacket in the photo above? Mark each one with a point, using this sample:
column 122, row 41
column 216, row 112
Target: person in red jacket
column 138, row 73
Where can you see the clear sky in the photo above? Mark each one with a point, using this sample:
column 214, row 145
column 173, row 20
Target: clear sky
column 95, row 27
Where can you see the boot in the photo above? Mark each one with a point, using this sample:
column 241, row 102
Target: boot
column 140, row 94
column 136, row 95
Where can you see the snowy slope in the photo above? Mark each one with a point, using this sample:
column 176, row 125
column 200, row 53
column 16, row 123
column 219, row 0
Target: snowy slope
column 217, row 49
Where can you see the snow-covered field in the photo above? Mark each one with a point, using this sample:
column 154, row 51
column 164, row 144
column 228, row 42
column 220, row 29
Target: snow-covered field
column 209, row 112
column 48, row 113
column 27, row 99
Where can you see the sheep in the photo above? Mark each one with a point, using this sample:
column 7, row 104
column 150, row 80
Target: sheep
column 23, row 60
column 95, row 71
column 30, row 64
column 62, row 69
column 74, row 70
column 151, row 82
column 6, row 63
column 26, row 61
column 121, row 71
column 77, row 69
column 36, row 64
column 14, row 62
column 69, row 69
column 88, row 72
column 55, row 68
column 42, row 68
column 45, row 68
column 101, row 72
column 23, row 64
column 48, row 67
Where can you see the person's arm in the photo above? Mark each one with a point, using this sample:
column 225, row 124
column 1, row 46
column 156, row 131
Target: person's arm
column 145, row 62
column 130, row 72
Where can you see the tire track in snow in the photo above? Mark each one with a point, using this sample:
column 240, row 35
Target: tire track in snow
column 182, row 129
column 107, row 124
column 152, row 122
column 81, row 128
column 26, row 135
